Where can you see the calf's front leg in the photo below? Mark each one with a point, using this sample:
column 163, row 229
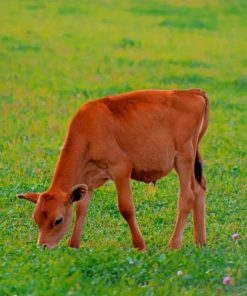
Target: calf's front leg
column 127, row 209
column 81, row 212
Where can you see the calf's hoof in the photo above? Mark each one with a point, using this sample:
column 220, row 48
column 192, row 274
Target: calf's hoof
column 174, row 244
column 74, row 244
column 142, row 249
column 140, row 246
column 201, row 243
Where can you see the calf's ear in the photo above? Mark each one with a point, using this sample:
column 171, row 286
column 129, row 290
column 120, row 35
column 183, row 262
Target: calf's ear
column 78, row 192
column 33, row 197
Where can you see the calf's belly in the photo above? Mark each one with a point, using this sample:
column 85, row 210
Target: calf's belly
column 153, row 164
column 148, row 176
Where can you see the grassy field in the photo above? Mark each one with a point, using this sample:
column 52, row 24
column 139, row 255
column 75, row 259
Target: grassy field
column 55, row 55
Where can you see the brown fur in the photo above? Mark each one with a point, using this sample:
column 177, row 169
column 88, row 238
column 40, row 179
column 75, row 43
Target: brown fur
column 141, row 135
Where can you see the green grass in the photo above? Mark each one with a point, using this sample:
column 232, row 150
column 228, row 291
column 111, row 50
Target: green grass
column 55, row 55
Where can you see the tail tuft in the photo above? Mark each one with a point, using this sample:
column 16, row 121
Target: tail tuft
column 198, row 168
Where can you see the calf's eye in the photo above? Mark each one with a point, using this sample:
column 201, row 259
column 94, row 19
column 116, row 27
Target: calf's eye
column 58, row 221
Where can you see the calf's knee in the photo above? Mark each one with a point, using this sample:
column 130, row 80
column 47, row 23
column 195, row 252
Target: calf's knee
column 127, row 213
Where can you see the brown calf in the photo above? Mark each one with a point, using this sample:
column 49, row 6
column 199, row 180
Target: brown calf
column 141, row 135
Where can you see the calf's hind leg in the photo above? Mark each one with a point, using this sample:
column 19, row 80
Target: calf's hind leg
column 184, row 166
column 199, row 213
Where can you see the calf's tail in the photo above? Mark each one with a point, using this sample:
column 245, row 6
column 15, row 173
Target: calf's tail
column 198, row 160
column 198, row 167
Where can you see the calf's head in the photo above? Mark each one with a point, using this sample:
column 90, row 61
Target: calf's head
column 53, row 213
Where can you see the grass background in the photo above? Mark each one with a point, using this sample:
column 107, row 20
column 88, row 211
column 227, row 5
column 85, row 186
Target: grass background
column 55, row 55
